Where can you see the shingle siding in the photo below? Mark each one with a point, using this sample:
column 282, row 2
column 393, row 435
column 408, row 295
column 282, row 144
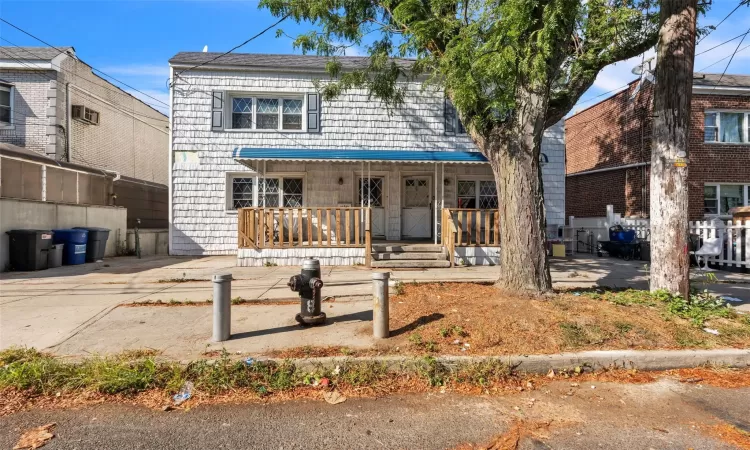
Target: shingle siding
column 202, row 225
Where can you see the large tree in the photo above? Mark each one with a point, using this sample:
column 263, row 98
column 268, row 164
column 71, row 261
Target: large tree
column 670, row 266
column 512, row 68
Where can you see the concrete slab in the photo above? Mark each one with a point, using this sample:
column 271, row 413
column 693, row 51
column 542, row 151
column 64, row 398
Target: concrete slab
column 185, row 332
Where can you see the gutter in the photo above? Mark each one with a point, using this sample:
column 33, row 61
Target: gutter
column 609, row 169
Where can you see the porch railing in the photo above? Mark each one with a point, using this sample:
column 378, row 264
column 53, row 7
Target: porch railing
column 471, row 227
column 322, row 227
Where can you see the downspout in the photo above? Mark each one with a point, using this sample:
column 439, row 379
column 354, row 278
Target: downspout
column 68, row 130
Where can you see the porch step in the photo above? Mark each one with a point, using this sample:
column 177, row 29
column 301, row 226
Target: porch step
column 410, row 264
column 416, row 248
column 400, row 256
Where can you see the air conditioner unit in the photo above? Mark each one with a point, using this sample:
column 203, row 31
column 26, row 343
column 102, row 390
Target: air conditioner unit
column 85, row 114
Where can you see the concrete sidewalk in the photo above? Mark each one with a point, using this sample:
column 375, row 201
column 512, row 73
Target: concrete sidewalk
column 74, row 309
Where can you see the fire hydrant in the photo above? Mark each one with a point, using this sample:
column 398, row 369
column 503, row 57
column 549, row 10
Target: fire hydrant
column 308, row 284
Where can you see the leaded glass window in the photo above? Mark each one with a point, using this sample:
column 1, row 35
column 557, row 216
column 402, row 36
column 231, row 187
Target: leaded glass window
column 242, row 112
column 242, row 192
column 292, row 192
column 371, row 192
column 267, row 114
column 291, row 114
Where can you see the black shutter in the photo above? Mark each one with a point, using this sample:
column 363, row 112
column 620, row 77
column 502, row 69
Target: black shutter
column 449, row 114
column 313, row 113
column 217, row 110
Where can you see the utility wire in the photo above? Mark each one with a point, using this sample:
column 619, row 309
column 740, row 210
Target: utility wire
column 743, row 2
column 725, row 42
column 722, row 59
column 233, row 48
column 92, row 67
column 730, row 60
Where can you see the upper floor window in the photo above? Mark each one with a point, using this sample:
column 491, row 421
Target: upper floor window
column 726, row 126
column 85, row 114
column 266, row 112
column 6, row 105
column 453, row 124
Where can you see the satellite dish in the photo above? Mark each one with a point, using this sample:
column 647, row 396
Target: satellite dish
column 645, row 66
column 205, row 48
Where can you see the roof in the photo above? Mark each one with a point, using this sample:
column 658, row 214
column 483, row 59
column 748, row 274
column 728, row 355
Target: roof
column 401, row 156
column 33, row 53
column 728, row 80
column 270, row 61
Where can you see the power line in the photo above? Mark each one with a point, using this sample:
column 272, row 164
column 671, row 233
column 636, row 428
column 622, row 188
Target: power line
column 44, row 75
column 730, row 59
column 722, row 21
column 725, row 42
column 92, row 67
column 233, row 48
column 722, row 59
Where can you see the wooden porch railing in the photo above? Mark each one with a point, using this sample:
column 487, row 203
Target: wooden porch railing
column 471, row 227
column 322, row 227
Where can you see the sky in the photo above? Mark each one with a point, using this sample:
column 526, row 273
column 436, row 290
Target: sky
column 132, row 40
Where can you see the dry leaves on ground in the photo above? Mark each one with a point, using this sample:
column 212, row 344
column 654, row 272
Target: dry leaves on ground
column 334, row 397
column 36, row 437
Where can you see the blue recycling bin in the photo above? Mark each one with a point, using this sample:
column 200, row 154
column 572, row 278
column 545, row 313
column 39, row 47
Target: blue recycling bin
column 74, row 250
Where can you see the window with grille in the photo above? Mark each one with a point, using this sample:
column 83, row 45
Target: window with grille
column 242, row 192
column 480, row 194
column 731, row 127
column 371, row 192
column 251, row 112
column 268, row 192
column 292, row 192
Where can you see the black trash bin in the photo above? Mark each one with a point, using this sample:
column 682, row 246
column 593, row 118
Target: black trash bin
column 28, row 249
column 96, row 243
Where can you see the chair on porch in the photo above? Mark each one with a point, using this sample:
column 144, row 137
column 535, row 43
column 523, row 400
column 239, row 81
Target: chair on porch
column 711, row 247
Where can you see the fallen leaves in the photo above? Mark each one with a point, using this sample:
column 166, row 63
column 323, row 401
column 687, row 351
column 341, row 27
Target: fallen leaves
column 36, row 437
column 334, row 397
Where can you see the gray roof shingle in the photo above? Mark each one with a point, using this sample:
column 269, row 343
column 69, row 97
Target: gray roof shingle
column 728, row 80
column 269, row 61
column 33, row 53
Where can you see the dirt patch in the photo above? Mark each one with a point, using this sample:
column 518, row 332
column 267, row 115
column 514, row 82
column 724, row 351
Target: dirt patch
column 467, row 318
column 511, row 439
column 729, row 434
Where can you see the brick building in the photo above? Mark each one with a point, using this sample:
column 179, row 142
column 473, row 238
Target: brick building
column 55, row 105
column 608, row 150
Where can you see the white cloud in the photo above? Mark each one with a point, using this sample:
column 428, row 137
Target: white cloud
column 162, row 96
column 146, row 70
column 616, row 76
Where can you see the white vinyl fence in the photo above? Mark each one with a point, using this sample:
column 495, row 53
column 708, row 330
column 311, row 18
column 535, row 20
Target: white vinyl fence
column 735, row 237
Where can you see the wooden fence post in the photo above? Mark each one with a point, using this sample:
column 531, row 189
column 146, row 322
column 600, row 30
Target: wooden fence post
column 368, row 239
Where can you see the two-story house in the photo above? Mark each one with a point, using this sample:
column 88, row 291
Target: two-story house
column 608, row 150
column 54, row 104
column 251, row 133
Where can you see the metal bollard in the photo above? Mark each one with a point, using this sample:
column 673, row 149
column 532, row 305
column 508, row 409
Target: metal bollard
column 222, row 306
column 380, row 315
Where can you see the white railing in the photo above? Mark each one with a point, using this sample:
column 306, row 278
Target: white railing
column 735, row 238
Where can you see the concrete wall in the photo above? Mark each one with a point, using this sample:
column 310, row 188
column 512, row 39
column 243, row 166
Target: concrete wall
column 147, row 202
column 18, row 214
column 152, row 241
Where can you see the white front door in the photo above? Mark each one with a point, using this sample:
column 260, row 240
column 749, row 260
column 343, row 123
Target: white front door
column 416, row 210
column 371, row 193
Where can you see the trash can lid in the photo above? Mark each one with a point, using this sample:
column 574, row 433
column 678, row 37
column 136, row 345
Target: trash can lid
column 92, row 228
column 28, row 231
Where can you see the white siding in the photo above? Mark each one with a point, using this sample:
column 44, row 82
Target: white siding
column 201, row 223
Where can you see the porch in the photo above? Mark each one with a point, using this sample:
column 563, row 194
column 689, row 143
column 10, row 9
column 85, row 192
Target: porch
column 344, row 236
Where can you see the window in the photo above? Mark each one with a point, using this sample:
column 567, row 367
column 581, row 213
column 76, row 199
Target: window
column 267, row 113
column 371, row 192
column 292, row 192
column 481, row 194
column 268, row 192
column 453, row 124
column 726, row 126
column 6, row 105
column 285, row 192
column 242, row 192
column 719, row 199
column 85, row 114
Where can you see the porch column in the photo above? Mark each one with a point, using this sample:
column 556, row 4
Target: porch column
column 435, row 202
column 442, row 196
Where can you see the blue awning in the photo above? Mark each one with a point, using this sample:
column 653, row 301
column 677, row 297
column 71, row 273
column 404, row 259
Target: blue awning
column 385, row 156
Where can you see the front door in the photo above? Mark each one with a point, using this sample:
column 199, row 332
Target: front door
column 416, row 210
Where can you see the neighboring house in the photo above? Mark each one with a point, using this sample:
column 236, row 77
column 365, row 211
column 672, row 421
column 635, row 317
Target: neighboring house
column 608, row 150
column 251, row 131
column 55, row 105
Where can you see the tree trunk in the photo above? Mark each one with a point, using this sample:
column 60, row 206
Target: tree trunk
column 670, row 264
column 513, row 152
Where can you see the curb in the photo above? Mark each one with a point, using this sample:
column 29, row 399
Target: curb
column 624, row 359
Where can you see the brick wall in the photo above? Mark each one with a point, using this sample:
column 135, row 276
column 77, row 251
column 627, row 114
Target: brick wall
column 608, row 135
column 135, row 145
column 31, row 109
